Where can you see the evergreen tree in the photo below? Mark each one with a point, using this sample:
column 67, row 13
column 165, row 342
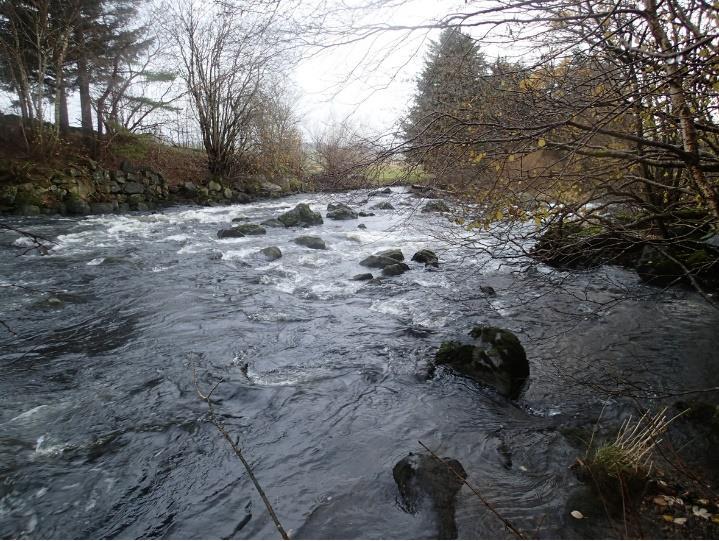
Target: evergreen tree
column 448, row 101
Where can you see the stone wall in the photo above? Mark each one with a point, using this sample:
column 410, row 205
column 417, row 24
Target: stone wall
column 91, row 189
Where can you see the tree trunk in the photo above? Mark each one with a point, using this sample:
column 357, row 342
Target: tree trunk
column 83, row 79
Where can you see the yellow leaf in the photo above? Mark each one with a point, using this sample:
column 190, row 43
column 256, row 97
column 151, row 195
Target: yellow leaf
column 668, row 518
column 681, row 521
column 541, row 143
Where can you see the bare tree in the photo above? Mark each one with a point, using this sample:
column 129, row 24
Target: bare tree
column 225, row 51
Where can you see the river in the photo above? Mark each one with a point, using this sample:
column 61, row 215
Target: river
column 102, row 434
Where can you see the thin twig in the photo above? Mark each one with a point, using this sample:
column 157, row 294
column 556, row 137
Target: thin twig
column 238, row 452
column 487, row 504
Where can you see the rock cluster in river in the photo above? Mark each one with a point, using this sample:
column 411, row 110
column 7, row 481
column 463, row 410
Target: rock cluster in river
column 300, row 216
column 340, row 211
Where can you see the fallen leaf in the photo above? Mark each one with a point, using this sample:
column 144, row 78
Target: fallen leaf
column 700, row 512
column 715, row 519
column 668, row 518
column 681, row 521
column 577, row 514
column 661, row 501
column 702, row 501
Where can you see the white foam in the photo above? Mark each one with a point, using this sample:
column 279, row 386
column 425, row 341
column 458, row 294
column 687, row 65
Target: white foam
column 96, row 261
column 29, row 413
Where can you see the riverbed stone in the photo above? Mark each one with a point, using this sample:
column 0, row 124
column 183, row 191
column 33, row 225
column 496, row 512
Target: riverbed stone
column 394, row 253
column 381, row 192
column 271, row 252
column 250, row 229
column 230, row 233
column 361, row 226
column 436, row 205
column 491, row 356
column 302, row 215
column 422, row 478
column 378, row 262
column 384, row 205
column 272, row 222
column 395, row 269
column 362, row 277
column 214, row 186
column 340, row 211
column 365, row 214
column 428, row 257
column 310, row 241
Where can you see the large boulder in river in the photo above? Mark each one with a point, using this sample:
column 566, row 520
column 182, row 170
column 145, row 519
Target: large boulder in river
column 272, row 222
column 231, row 233
column 309, row 241
column 340, row 211
column 421, row 478
column 428, row 257
column 383, row 191
column 491, row 356
column 395, row 270
column 383, row 259
column 271, row 252
column 436, row 205
column 300, row 216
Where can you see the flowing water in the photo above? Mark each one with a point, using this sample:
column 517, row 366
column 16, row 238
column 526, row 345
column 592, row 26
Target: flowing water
column 102, row 433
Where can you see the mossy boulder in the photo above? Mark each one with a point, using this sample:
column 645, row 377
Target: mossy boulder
column 491, row 356
column 250, row 229
column 572, row 245
column 395, row 270
column 378, row 261
column 384, row 205
column 300, row 216
column 680, row 264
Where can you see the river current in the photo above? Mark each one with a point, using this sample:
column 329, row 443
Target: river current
column 102, row 434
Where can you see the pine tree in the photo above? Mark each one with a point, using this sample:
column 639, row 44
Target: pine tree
column 448, row 100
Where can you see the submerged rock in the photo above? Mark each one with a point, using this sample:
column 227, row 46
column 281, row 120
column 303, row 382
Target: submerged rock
column 436, row 205
column 340, row 211
column 272, row 222
column 393, row 253
column 428, row 257
column 362, row 277
column 420, row 476
column 361, row 226
column 383, row 191
column 271, row 252
column 384, row 205
column 668, row 266
column 309, row 241
column 488, row 290
column 250, row 229
column 395, row 270
column 231, row 233
column 365, row 214
column 493, row 357
column 241, row 219
column 377, row 261
column 302, row 215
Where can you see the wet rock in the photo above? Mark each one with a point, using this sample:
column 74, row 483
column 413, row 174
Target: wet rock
column 231, row 233
column 365, row 214
column 384, row 205
column 383, row 191
column 393, row 253
column 75, row 205
column 215, row 256
column 395, row 270
column 488, row 290
column 241, row 219
column 361, row 226
column 272, row 222
column 362, row 277
column 340, row 211
column 271, row 252
column 250, row 229
column 309, row 241
column 436, row 205
column 376, row 261
column 302, row 215
column 492, row 356
column 270, row 188
column 428, row 257
column 421, row 477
